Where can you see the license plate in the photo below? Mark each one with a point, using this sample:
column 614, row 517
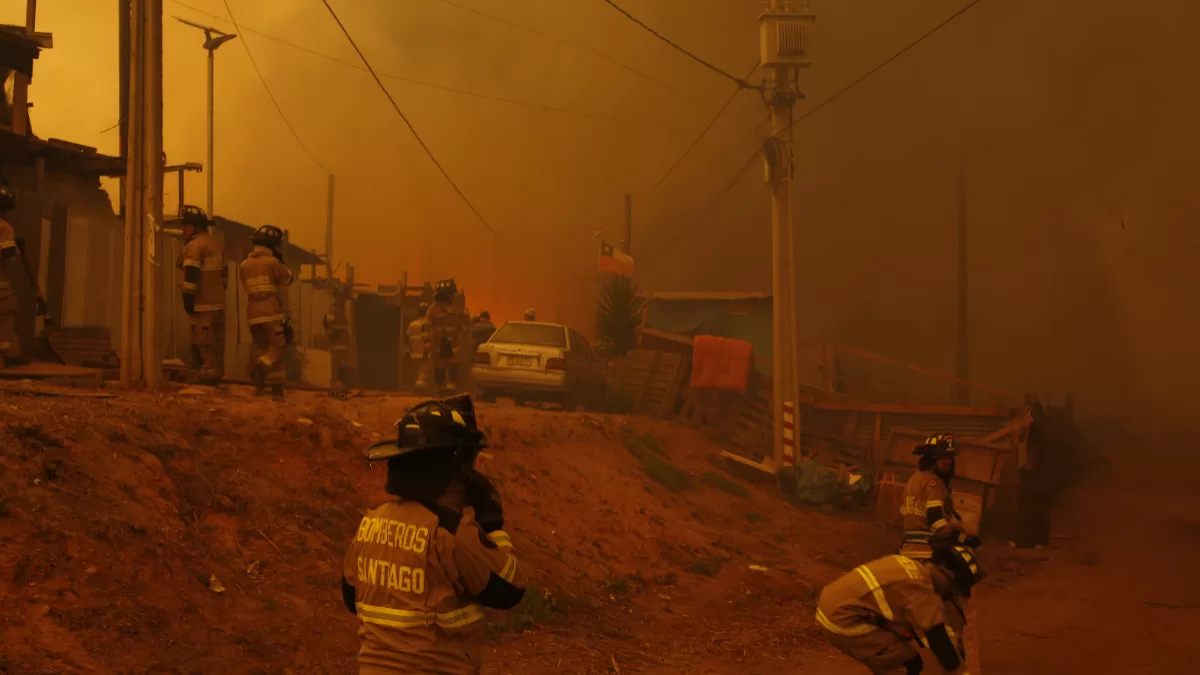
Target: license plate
column 523, row 361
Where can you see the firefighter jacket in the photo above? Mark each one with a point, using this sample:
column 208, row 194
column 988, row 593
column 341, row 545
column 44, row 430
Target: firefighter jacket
column 416, row 337
column 204, row 273
column 263, row 276
column 8, row 254
column 446, row 327
column 893, row 592
column 927, row 510
column 419, row 577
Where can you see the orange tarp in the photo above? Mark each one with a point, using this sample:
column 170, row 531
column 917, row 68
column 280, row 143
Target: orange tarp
column 721, row 364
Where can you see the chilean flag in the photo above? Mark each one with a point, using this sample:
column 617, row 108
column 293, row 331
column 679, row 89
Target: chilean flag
column 613, row 261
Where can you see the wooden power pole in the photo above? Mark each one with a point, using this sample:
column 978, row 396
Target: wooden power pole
column 141, row 360
column 628, row 225
column 963, row 347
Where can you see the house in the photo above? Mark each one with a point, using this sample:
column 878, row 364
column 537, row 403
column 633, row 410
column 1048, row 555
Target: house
column 73, row 240
column 674, row 318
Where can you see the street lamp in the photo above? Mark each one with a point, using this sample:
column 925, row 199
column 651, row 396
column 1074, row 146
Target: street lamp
column 213, row 38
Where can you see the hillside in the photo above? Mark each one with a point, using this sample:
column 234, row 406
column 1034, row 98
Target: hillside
column 121, row 517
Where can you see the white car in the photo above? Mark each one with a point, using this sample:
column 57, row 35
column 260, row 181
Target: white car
column 530, row 360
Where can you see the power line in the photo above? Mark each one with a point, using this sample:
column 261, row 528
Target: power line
column 409, row 124
column 569, row 43
column 431, row 85
column 883, row 65
column 271, row 94
column 703, row 133
column 711, row 207
column 741, row 82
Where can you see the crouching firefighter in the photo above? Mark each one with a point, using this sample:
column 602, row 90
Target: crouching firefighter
column 263, row 276
column 204, row 280
column 422, row 568
column 875, row 612
column 928, row 507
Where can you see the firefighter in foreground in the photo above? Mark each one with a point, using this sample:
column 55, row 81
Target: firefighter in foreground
column 928, row 506
column 873, row 613
column 422, row 568
column 263, row 276
column 445, row 334
column 204, row 294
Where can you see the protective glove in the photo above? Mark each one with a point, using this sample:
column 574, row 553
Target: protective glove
column 189, row 304
column 39, row 307
column 482, row 497
column 972, row 541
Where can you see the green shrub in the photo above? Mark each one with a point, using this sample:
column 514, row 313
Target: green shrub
column 656, row 467
column 722, row 483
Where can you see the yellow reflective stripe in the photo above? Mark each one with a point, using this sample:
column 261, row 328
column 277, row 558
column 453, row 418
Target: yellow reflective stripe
column 510, row 570
column 939, row 524
column 209, row 308
column 876, row 590
column 403, row 618
column 212, row 268
column 861, row 629
column 909, row 566
column 265, row 319
column 459, row 618
column 261, row 289
column 4, row 284
column 500, row 538
column 188, row 287
column 191, row 263
column 8, row 244
column 937, row 503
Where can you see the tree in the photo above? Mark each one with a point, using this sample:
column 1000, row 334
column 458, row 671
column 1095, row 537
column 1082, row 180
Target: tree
column 618, row 314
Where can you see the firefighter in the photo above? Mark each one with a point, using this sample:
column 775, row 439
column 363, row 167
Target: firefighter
column 263, row 276
column 417, row 337
column 445, row 334
column 204, row 282
column 928, row 506
column 531, row 314
column 483, row 328
column 10, row 343
column 422, row 568
column 874, row 612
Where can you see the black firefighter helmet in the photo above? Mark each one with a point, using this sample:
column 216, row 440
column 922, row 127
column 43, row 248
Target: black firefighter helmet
column 937, row 446
column 267, row 235
column 444, row 291
column 436, row 426
column 194, row 216
column 960, row 561
column 8, row 201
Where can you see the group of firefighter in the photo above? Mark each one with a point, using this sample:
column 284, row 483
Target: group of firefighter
column 421, row 569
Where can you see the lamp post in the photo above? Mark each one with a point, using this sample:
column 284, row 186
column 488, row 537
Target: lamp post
column 213, row 38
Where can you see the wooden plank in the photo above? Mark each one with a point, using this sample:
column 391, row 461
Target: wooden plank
column 908, row 408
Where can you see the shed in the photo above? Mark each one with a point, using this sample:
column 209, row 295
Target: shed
column 737, row 315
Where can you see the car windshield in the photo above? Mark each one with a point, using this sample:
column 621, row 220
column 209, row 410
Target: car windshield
column 537, row 334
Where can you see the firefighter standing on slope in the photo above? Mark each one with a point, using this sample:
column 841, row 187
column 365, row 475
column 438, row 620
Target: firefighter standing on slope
column 263, row 276
column 445, row 334
column 421, row 568
column 204, row 276
column 928, row 506
column 873, row 613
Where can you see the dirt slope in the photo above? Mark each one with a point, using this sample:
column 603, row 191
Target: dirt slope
column 116, row 513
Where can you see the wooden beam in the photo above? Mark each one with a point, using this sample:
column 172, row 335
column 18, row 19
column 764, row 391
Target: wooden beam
column 906, row 408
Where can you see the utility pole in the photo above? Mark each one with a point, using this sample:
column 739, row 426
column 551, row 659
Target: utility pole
column 140, row 354
column 20, row 93
column 123, row 68
column 783, row 42
column 628, row 225
column 963, row 371
column 213, row 38
column 329, row 231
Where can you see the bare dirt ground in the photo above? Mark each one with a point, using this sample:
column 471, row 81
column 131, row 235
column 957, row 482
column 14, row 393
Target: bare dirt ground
column 117, row 514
